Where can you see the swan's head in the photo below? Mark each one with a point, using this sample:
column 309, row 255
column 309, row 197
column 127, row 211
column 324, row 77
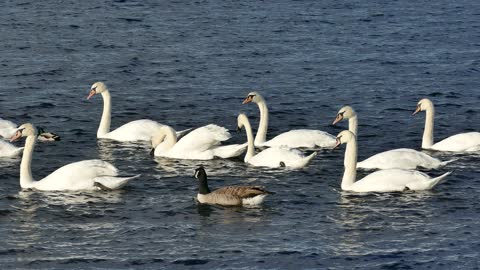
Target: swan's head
column 242, row 119
column 344, row 137
column 423, row 105
column 254, row 97
column 24, row 130
column 97, row 88
column 345, row 112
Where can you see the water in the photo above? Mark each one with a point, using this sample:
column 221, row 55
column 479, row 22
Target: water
column 190, row 63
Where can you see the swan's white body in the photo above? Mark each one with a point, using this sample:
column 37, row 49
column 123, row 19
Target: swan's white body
column 272, row 157
column 139, row 130
column 463, row 142
column 82, row 175
column 7, row 128
column 402, row 158
column 201, row 144
column 300, row 138
column 9, row 150
column 380, row 181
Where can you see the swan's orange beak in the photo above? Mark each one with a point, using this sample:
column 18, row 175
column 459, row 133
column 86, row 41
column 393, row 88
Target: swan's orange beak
column 91, row 94
column 16, row 136
column 338, row 143
column 337, row 119
column 248, row 100
column 417, row 110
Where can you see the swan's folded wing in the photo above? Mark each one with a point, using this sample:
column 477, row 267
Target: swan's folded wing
column 82, row 170
column 459, row 142
column 138, row 130
column 7, row 128
column 307, row 138
column 202, row 138
column 7, row 149
column 229, row 151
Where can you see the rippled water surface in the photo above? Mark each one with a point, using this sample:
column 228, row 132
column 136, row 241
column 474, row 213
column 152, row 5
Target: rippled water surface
column 191, row 63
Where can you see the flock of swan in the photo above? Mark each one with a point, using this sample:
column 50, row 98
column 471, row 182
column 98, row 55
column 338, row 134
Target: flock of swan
column 396, row 168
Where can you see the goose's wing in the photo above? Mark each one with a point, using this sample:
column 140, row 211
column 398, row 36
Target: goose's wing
column 402, row 158
column 7, row 128
column 242, row 191
column 138, row 130
column 202, row 139
column 78, row 175
column 459, row 142
column 307, row 138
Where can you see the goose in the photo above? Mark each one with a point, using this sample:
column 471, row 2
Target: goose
column 298, row 138
column 229, row 195
column 138, row 130
column 274, row 157
column 463, row 142
column 83, row 175
column 9, row 150
column 389, row 180
column 401, row 158
column 201, row 144
column 8, row 129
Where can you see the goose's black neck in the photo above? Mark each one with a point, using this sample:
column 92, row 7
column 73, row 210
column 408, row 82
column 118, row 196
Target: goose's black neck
column 202, row 182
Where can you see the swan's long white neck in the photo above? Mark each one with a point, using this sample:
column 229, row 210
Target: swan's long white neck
column 104, row 126
column 350, row 163
column 250, row 146
column 261, row 136
column 170, row 138
column 353, row 124
column 26, row 178
column 427, row 140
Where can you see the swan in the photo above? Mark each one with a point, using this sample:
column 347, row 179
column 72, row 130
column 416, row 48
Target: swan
column 380, row 181
column 305, row 138
column 8, row 129
column 274, row 156
column 83, row 175
column 229, row 195
column 202, row 144
column 9, row 150
column 138, row 130
column 401, row 158
column 463, row 142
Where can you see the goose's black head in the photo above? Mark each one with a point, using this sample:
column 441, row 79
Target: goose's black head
column 200, row 173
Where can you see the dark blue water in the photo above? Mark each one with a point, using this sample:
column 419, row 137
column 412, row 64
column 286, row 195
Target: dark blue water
column 191, row 63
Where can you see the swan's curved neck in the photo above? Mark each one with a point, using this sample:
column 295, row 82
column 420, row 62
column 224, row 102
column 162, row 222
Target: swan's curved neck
column 250, row 146
column 104, row 126
column 427, row 140
column 170, row 138
column 26, row 178
column 261, row 137
column 350, row 163
column 353, row 124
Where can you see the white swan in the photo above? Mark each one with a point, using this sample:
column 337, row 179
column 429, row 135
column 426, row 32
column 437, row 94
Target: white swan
column 380, row 181
column 274, row 156
column 229, row 195
column 82, row 175
column 305, row 138
column 402, row 158
column 138, row 130
column 463, row 142
column 8, row 129
column 9, row 150
column 202, row 143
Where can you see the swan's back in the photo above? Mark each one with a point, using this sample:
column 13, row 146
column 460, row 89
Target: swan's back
column 307, row 138
column 460, row 142
column 7, row 128
column 138, row 130
column 201, row 139
column 280, row 156
column 77, row 176
column 402, row 158
column 391, row 180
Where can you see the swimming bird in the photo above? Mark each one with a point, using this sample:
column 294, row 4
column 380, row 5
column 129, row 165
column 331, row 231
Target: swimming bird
column 229, row 195
column 8, row 129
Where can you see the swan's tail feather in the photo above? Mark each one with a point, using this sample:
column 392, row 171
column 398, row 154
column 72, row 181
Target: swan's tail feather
column 229, row 151
column 435, row 181
column 309, row 158
column 109, row 182
column 444, row 163
column 182, row 133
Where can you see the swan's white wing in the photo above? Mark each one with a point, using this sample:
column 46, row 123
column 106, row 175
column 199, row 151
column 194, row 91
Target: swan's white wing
column 77, row 176
column 9, row 150
column 229, row 151
column 201, row 139
column 138, row 130
column 280, row 156
column 389, row 180
column 307, row 138
column 402, row 158
column 459, row 142
column 7, row 128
